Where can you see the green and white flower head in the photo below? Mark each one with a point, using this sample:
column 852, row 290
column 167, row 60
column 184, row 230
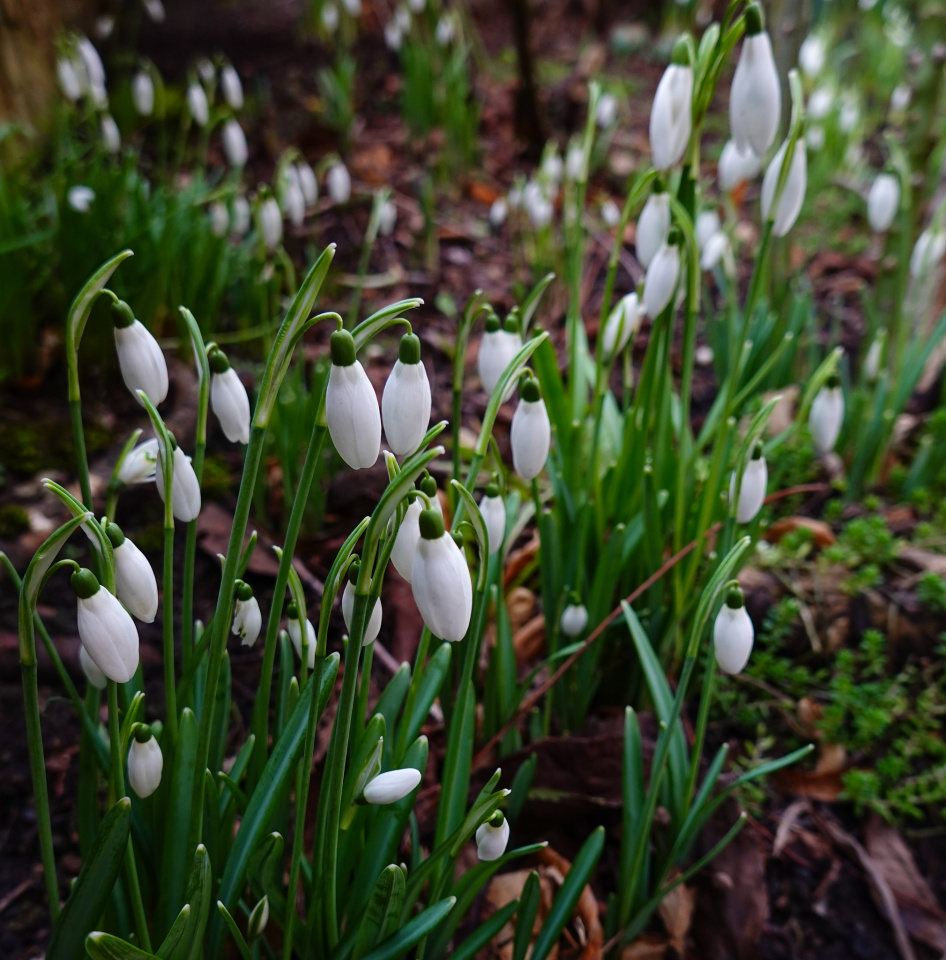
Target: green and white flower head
column 755, row 479
column 307, row 182
column 247, row 617
column 736, row 166
column 498, row 348
column 373, row 627
column 671, row 116
column 793, row 194
column 392, row 786
column 531, row 432
column 110, row 134
column 235, row 148
column 135, row 584
column 440, row 580
column 707, row 224
column 405, row 402
column 142, row 93
column 231, row 87
column 259, row 917
column 812, row 55
column 139, row 465
column 755, row 100
column 145, row 761
column 228, row 399
column 219, row 219
column 827, row 416
column 91, row 670
column 106, row 629
column 622, row 324
column 140, row 356
column 330, row 17
column 295, row 635
column 498, row 212
column 660, row 281
column 492, row 837
column 197, row 105
column 67, row 73
column 387, row 218
column 574, row 617
column 733, row 634
column 270, row 222
column 883, row 202
column 493, row 509
column 351, row 406
column 653, row 225
column 338, row 183
column 185, row 488
column 242, row 217
column 206, row 71
column 293, row 199
column 928, row 252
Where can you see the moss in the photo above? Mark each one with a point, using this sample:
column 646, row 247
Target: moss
column 28, row 447
column 14, row 520
column 150, row 539
column 217, row 480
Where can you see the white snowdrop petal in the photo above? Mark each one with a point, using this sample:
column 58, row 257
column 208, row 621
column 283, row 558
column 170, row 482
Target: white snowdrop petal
column 793, row 195
column 652, row 227
column 392, row 786
column 247, row 621
column 111, row 135
column 574, row 619
column 405, row 407
column 736, row 166
column 142, row 362
column 707, row 224
column 185, row 489
column 91, row 670
column 714, row 251
column 660, row 281
column 755, row 479
column 231, row 87
column 883, row 202
column 671, row 116
column 491, row 841
column 197, row 104
column 109, row 635
column 234, row 143
column 139, row 465
column 755, row 101
column 442, row 587
column 405, row 543
column 270, row 220
column 373, row 627
column 622, row 324
column 145, row 765
column 231, row 405
column 338, row 183
column 732, row 639
column 68, row 78
column 295, row 635
column 135, row 583
column 530, row 437
column 354, row 420
column 825, row 419
column 497, row 350
column 142, row 93
column 493, row 510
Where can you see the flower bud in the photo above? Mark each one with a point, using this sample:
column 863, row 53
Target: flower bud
column 874, row 357
column 295, row 635
column 811, row 56
column 574, row 619
column 139, row 464
column 493, row 509
column 531, row 433
column 68, row 77
column 80, row 198
column 240, row 222
column 610, row 213
column 206, row 71
column 793, row 194
column 621, row 325
column 826, row 416
column 247, row 617
column 351, row 406
column 145, row 762
column 492, row 837
column 653, row 225
column 330, row 17
column 706, row 226
column 110, row 134
column 270, row 223
column 91, row 671
column 231, row 88
column 140, row 357
column 607, row 111
column 736, row 166
column 294, row 203
column 498, row 212
column 235, row 148
column 733, row 634
column 219, row 219
column 660, row 281
column 440, row 580
column 185, row 488
column 105, row 628
column 228, row 399
column 142, row 93
column 883, row 201
column 900, row 98
column 387, row 217
column 755, row 99
column 338, row 183
column 373, row 626
column 197, row 104
column 446, row 30
column 755, row 479
column 671, row 118
column 258, row 920
column 498, row 348
column 307, row 182
column 392, row 786
column 928, row 252
column 135, row 585
column 820, row 103
column 405, row 543
column 405, row 402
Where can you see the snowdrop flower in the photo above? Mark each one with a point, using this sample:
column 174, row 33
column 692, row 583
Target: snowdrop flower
column 733, row 634
column 258, row 920
column 295, row 635
column 531, row 432
column 387, row 217
column 820, row 103
column 94, row 69
column 928, row 251
column 197, row 104
column 145, row 761
column 330, row 17
column 498, row 348
column 574, row 618
column 900, row 98
column 540, row 211
column 140, row 356
column 493, row 509
column 240, row 224
column 498, row 213
column 155, row 10
column 373, row 626
column 607, row 111
column 755, row 100
column 736, row 166
column 552, row 167
column 228, row 399
column 351, row 406
column 270, row 223
column 294, row 203
column 338, row 183
column 814, row 138
column 80, row 198
column 660, row 281
column 826, row 416
column 653, row 226
column 185, row 488
column 610, row 213
column 392, row 786
column 874, row 357
column 882, row 202
column 850, row 113
column 307, row 182
column 671, row 114
column 235, row 148
column 417, row 6
column 716, row 251
column 405, row 543
column 492, row 837
column 104, row 26
column 393, row 35
column 247, row 617
column 231, row 87
column 105, row 628
column 514, row 198
column 219, row 219
column 811, row 55
column 755, row 479
column 139, row 465
column 575, row 169
column 405, row 402
column 793, row 195
column 206, row 71
column 91, row 671
column 707, row 224
column 446, row 30
column 622, row 324
column 68, row 77
column 353, row 7
column 110, row 134
column 440, row 580
column 402, row 16
column 135, row 585
column 142, row 93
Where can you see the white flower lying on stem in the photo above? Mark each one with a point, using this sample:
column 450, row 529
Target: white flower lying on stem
column 733, row 634
column 793, row 194
column 235, row 148
column 883, row 202
column 405, row 543
column 197, row 104
column 295, row 635
column 142, row 93
column 135, row 585
column 247, row 616
column 826, row 416
column 755, row 479
column 338, row 183
column 392, row 786
column 531, row 432
column 185, row 488
column 405, row 402
column 373, row 626
column 671, row 116
column 653, row 225
column 755, row 100
column 140, row 357
column 621, row 325
column 492, row 837
column 440, row 580
column 231, row 87
column 145, row 761
column 106, row 629
column 351, row 406
column 228, row 399
column 139, row 465
column 660, row 281
column 493, row 509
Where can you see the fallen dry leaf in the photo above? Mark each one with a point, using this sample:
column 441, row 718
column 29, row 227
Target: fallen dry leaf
column 816, row 786
column 676, row 912
column 529, row 640
column 519, row 559
column 821, row 533
column 520, row 605
column 586, row 909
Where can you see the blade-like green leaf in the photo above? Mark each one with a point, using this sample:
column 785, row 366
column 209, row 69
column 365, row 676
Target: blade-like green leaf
column 484, row 933
column 412, row 932
column 525, row 916
column 104, row 946
column 383, row 912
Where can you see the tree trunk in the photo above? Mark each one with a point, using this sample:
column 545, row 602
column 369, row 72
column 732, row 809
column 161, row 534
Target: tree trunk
column 28, row 31
column 530, row 123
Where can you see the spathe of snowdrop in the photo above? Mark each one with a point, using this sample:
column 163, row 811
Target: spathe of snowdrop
column 231, row 87
column 826, row 416
column 498, row 212
column 242, row 216
column 733, row 634
column 736, row 166
column 755, row 479
column 607, row 111
column 497, row 349
column 338, row 183
column 493, row 510
column 219, row 219
column 660, row 281
column 135, row 585
column 392, row 786
column 574, row 618
column 80, row 198
column 105, row 628
column 235, row 148
column 91, row 670
column 67, row 73
column 228, row 399
column 883, row 202
column 139, row 465
column 387, row 217
column 793, row 194
column 307, row 182
column 142, row 93
column 270, row 223
column 671, row 119
column 197, row 104
column 492, row 837
column 755, row 100
column 622, row 324
column 405, row 403
column 351, row 406
column 110, row 134
column 373, row 626
column 140, row 356
column 653, row 226
column 531, row 432
column 247, row 617
column 928, row 252
column 295, row 635
column 405, row 543
column 811, row 56
column 440, row 580
column 145, row 761
column 185, row 488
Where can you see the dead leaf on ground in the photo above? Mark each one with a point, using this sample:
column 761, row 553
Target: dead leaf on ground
column 519, row 559
column 822, row 535
column 507, row 887
column 529, row 641
column 586, row 909
column 676, row 912
column 816, row 786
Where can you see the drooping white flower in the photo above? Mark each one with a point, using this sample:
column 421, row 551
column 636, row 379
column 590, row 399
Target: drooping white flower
column 820, row 103
column 247, row 616
column 92, row 62
column 826, row 416
column 352, row 7
column 814, row 138
column 417, row 6
column 849, row 113
column 295, row 635
column 219, row 219
column 387, row 217
column 755, row 100
column 498, row 348
column 68, row 76
column 330, row 17
column 139, row 465
column 135, row 585
column 928, row 252
column 707, row 224
column 140, row 356
column 185, row 488
column 373, row 626
column 883, row 202
column 493, row 509
column 235, row 148
column 498, row 212
column 671, row 118
column 197, row 105
column 736, row 166
column 242, row 216
column 622, row 324
column 231, row 87
column 716, row 251
column 660, row 281
column 575, row 163
column 755, row 479
column 900, row 98
column 307, row 182
column 155, row 10
column 106, row 629
column 733, row 634
column 228, row 399
column 270, row 223
column 793, row 195
column 875, row 355
column 110, row 134
column 338, row 183
column 80, row 198
column 393, row 35
column 811, row 55
column 531, row 432
column 351, row 406
column 392, row 786
column 91, row 670
column 653, row 226
column 607, row 111
column 294, row 203
column 574, row 619
column 446, row 30
column 206, row 71
column 145, row 762
column 440, row 580
column 610, row 213
column 142, row 93
column 405, row 402
column 104, row 26
column 405, row 543
column 492, row 837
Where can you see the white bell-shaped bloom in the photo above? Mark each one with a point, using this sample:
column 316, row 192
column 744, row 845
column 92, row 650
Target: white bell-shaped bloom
column 607, row 111
column 575, row 169
column 206, row 71
column 185, row 488
column 393, row 35
column 531, row 432
column 875, row 355
column 219, row 219
column 755, row 99
column 392, row 786
column 820, row 103
column 492, row 837
column 498, row 348
column 140, row 356
column 883, row 202
column 652, row 227
column 110, row 134
column 231, row 87
column 733, row 634
column 610, row 213
column 242, row 217
column 716, row 251
column 106, row 629
column 197, row 105
column 142, row 93
column 707, row 224
column 540, row 209
column 736, row 166
column 135, row 585
column 928, row 252
column 351, row 406
column 294, row 203
column 493, row 510
column 387, row 217
column 155, row 10
column 80, row 198
column 338, row 183
column 671, row 117
column 405, row 543
column 229, row 400
column 307, row 182
column 498, row 212
column 353, row 7
column 552, row 166
column 373, row 627
column 295, row 635
column 139, row 464
column 849, row 114
column 811, row 55
column 574, row 619
column 68, row 76
column 91, row 670
column 247, row 616
column 814, row 138
column 270, row 223
column 793, row 195
column 622, row 324
column 660, row 281
column 440, row 580
column 755, row 479
column 145, row 763
column 901, row 97
column 330, row 17
column 826, row 417
column 446, row 30
column 405, row 402
column 417, row 6
column 235, row 148
column 92, row 62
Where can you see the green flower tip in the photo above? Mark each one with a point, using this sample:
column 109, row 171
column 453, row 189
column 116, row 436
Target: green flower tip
column 496, row 820
column 757, row 451
column 574, row 598
column 84, row 583
column 659, row 186
column 122, row 314
column 244, row 591
column 115, row 535
column 428, row 486
column 353, row 571
column 218, row 361
column 457, row 538
column 833, row 382
column 292, row 611
column 431, row 524
column 529, row 391
column 492, row 489
column 735, row 598
column 681, row 52
column 409, row 349
column 511, row 323
column 492, row 322
column 755, row 20
column 674, row 237
column 142, row 732
column 342, row 345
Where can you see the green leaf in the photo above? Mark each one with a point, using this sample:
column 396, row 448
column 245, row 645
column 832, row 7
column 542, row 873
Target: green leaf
column 412, row 932
column 82, row 305
column 525, row 916
column 103, row 946
column 190, row 944
column 238, row 938
column 364, row 765
column 430, row 684
column 173, row 938
column 484, row 933
column 383, row 912
column 531, row 302
column 369, row 328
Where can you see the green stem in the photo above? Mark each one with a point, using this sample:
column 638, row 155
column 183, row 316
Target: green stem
column 116, row 782
column 190, row 545
column 417, row 675
column 137, row 905
column 170, row 690
column 82, row 460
